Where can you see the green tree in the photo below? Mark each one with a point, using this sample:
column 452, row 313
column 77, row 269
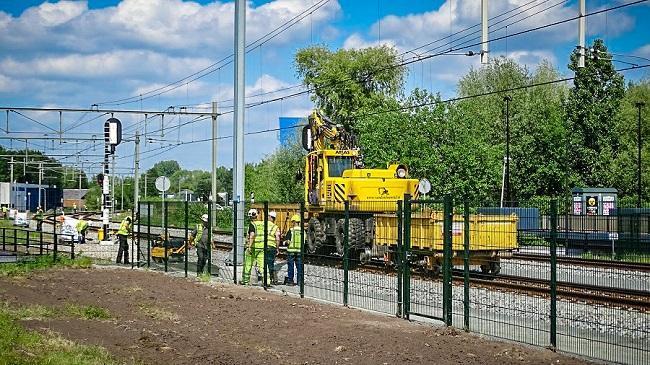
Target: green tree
column 274, row 178
column 591, row 109
column 625, row 163
column 346, row 81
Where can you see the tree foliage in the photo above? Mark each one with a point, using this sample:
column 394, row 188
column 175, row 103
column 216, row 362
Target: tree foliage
column 346, row 81
column 274, row 178
column 591, row 110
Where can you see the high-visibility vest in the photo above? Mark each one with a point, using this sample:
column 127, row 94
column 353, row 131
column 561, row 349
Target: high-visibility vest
column 82, row 226
column 199, row 234
column 259, row 236
column 124, row 228
column 296, row 239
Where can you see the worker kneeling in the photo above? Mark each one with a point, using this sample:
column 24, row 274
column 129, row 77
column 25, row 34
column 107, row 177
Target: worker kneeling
column 294, row 243
column 254, row 252
column 82, row 227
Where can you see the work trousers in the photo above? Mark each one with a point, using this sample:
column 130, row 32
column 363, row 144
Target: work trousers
column 293, row 258
column 202, row 255
column 123, row 249
column 269, row 261
column 83, row 237
column 253, row 255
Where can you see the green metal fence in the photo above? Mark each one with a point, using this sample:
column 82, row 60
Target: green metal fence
column 530, row 272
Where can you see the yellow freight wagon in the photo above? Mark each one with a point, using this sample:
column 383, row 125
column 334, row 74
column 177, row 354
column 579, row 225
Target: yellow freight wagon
column 490, row 238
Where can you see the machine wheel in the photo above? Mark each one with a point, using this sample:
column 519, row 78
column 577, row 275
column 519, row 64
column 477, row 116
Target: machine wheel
column 315, row 235
column 340, row 236
column 357, row 235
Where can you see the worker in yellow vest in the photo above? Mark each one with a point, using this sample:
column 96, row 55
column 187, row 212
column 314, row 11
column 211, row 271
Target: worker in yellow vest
column 39, row 219
column 122, row 235
column 82, row 227
column 294, row 243
column 272, row 246
column 254, row 250
column 200, row 239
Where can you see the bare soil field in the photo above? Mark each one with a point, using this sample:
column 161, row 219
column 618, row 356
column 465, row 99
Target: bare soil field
column 158, row 319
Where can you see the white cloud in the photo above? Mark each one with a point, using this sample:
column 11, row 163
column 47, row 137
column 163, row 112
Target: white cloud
column 53, row 14
column 414, row 30
column 164, row 25
column 643, row 51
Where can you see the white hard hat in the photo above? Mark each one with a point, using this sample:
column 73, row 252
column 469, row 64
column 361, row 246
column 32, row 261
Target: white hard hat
column 204, row 217
column 273, row 214
column 252, row 212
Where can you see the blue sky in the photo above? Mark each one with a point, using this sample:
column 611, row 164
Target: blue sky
column 77, row 53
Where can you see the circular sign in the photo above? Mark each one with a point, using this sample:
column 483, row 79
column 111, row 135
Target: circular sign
column 424, row 186
column 162, row 183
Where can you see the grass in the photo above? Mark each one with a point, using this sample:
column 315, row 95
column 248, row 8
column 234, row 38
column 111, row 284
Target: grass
column 204, row 277
column 22, row 347
column 40, row 312
column 42, row 263
column 157, row 313
column 625, row 256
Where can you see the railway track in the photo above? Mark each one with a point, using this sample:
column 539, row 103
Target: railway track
column 568, row 291
column 576, row 261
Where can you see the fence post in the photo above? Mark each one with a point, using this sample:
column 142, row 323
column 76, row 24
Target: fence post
column 266, row 244
column 148, row 235
column 466, row 238
column 72, row 248
column 406, row 245
column 234, row 240
column 210, row 238
column 40, row 242
column 27, row 242
column 446, row 257
column 4, row 237
column 398, row 258
column 56, row 239
column 132, row 238
column 16, row 241
column 553, row 314
column 301, row 272
column 138, row 240
column 346, row 254
column 166, row 237
column 187, row 244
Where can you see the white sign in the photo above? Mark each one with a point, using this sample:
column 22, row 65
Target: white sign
column 424, row 186
column 163, row 183
column 613, row 236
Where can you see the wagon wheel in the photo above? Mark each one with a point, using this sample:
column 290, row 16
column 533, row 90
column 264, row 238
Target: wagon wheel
column 495, row 267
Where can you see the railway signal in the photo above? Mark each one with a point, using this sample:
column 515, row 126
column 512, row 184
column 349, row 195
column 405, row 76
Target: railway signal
column 112, row 138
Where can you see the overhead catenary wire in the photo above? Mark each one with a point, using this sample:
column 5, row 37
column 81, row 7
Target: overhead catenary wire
column 213, row 67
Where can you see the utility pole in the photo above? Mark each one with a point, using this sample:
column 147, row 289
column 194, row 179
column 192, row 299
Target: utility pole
column 25, row 162
column 11, row 179
column 145, row 185
column 40, row 182
column 639, row 191
column 214, row 161
column 507, row 99
column 484, row 32
column 238, row 145
column 581, row 33
column 122, row 193
column 112, row 197
column 136, row 175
